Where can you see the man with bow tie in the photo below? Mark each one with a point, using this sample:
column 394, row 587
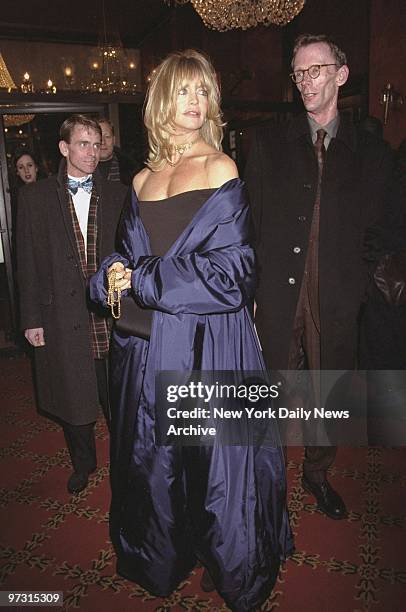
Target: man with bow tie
column 66, row 226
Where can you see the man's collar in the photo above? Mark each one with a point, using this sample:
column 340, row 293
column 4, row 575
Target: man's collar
column 331, row 128
column 80, row 179
column 299, row 126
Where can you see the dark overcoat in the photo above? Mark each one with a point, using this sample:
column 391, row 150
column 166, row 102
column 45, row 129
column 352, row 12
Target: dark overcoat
column 53, row 292
column 281, row 176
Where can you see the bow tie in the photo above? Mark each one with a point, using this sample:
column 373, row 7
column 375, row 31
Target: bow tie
column 87, row 185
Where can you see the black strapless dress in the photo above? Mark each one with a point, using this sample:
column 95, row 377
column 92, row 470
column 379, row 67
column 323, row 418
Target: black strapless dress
column 164, row 220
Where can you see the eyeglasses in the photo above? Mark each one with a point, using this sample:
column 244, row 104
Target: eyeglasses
column 313, row 71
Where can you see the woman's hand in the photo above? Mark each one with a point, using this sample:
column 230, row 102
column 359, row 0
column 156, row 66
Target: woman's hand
column 123, row 275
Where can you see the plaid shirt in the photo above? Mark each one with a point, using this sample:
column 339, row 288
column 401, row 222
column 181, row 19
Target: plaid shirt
column 98, row 326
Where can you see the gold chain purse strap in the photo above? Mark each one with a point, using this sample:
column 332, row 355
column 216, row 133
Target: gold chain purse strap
column 113, row 294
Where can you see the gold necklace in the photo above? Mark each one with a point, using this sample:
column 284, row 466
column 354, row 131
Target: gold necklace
column 180, row 149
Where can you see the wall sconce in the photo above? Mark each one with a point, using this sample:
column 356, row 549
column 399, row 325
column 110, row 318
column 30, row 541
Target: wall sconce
column 94, row 65
column 131, row 66
column 50, row 88
column 27, row 86
column 68, row 75
column 390, row 99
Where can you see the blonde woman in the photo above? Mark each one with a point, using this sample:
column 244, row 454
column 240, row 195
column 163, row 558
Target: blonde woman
column 186, row 266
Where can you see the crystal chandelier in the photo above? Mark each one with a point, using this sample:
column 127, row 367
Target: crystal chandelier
column 16, row 120
column 6, row 80
column 225, row 15
column 110, row 67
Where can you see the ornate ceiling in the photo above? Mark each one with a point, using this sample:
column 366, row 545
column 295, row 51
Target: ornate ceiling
column 78, row 21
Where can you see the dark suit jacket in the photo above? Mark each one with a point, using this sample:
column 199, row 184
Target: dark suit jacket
column 281, row 176
column 53, row 292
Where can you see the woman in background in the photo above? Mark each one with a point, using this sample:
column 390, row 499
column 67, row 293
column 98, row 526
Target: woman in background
column 25, row 166
column 24, row 171
column 188, row 265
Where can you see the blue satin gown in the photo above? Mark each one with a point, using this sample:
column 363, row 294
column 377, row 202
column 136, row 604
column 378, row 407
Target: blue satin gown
column 171, row 505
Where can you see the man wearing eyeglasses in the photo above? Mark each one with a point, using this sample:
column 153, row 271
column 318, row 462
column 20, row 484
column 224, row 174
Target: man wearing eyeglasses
column 316, row 185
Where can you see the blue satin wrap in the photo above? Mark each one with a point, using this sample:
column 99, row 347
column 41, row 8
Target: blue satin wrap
column 225, row 505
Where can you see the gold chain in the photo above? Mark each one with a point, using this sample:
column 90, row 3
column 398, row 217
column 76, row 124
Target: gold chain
column 185, row 146
column 180, row 149
column 113, row 294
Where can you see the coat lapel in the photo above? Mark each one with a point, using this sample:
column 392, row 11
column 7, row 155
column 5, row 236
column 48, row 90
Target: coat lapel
column 65, row 214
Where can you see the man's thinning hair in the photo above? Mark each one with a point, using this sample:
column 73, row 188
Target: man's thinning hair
column 69, row 124
column 309, row 39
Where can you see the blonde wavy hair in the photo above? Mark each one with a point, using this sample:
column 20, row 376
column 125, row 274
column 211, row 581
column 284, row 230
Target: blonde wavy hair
column 160, row 104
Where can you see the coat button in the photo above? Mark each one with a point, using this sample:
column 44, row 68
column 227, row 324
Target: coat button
column 301, row 218
column 296, row 249
column 291, row 280
column 307, row 185
column 73, row 292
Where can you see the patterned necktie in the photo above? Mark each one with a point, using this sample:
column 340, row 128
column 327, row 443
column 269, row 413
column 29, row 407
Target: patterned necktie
column 87, row 185
column 312, row 262
column 320, row 154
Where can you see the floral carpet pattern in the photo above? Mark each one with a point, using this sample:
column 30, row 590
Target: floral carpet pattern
column 51, row 541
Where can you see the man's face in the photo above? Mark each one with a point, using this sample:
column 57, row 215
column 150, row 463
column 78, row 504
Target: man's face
column 319, row 95
column 108, row 140
column 82, row 152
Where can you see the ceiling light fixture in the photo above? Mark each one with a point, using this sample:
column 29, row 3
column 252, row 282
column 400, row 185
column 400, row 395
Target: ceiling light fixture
column 225, row 15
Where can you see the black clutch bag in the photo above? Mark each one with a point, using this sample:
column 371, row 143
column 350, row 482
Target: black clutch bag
column 134, row 320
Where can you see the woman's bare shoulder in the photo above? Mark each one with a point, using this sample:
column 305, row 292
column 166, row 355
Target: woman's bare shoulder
column 220, row 168
column 140, row 178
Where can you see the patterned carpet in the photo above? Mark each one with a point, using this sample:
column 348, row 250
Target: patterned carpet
column 52, row 541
